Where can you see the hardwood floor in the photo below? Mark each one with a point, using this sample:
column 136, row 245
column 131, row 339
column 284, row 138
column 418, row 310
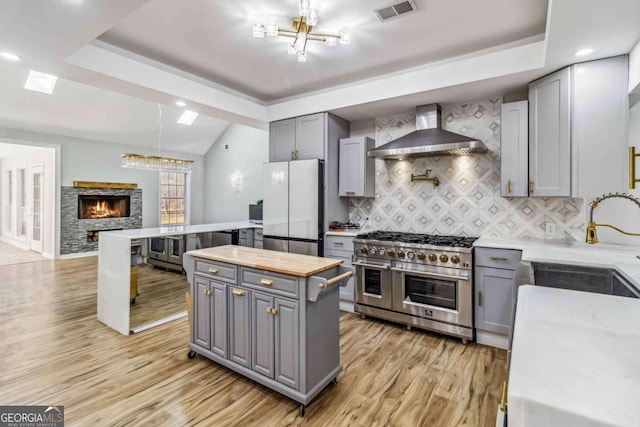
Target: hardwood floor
column 10, row 254
column 54, row 351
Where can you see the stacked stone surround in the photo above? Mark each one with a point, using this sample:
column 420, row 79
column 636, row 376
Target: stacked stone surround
column 73, row 236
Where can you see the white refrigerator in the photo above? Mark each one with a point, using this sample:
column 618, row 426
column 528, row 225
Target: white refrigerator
column 293, row 210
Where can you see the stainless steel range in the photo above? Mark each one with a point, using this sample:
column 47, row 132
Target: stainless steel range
column 419, row 280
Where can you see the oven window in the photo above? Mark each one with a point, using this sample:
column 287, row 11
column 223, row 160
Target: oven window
column 157, row 245
column 429, row 291
column 372, row 281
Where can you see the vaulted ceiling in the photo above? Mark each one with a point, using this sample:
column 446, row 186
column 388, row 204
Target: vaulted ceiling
column 201, row 51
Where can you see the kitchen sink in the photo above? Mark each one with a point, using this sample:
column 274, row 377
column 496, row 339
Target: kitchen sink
column 582, row 278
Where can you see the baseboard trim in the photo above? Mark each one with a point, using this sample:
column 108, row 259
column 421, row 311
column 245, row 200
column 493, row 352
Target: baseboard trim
column 492, row 339
column 20, row 244
column 159, row 322
column 79, row 255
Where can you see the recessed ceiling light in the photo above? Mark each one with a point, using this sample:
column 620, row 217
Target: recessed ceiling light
column 187, row 117
column 584, row 52
column 181, row 103
column 40, row 82
column 11, row 57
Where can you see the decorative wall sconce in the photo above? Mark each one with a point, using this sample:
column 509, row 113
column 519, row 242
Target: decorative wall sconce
column 236, row 180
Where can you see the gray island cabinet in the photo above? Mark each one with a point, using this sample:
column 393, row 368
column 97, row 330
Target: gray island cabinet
column 270, row 316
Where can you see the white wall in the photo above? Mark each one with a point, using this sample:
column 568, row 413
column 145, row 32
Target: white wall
column 634, row 74
column 620, row 212
column 240, row 150
column 16, row 157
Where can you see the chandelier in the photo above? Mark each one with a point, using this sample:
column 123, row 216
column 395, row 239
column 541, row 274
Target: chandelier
column 301, row 32
column 165, row 164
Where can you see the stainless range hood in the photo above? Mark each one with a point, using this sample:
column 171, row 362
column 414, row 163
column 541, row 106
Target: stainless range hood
column 429, row 139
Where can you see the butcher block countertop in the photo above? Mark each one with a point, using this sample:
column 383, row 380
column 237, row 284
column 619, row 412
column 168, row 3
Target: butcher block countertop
column 278, row 262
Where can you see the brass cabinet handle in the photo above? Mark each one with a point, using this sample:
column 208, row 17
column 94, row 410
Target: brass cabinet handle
column 238, row 292
column 503, row 400
column 508, row 186
column 272, row 310
column 207, row 291
column 638, row 256
column 479, row 298
column 632, row 168
column 213, row 270
column 530, row 187
column 499, row 258
column 266, row 282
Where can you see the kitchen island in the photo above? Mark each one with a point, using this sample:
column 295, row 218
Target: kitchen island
column 270, row 316
column 114, row 266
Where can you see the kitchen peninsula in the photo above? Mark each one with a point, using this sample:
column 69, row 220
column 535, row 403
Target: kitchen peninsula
column 114, row 261
column 270, row 316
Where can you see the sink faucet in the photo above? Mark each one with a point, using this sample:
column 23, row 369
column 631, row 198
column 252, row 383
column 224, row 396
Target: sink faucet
column 591, row 226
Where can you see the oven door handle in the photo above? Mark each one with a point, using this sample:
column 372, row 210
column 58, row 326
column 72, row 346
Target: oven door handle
column 381, row 266
column 444, row 276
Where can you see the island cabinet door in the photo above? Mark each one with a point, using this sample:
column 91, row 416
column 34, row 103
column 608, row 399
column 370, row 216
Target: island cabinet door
column 287, row 340
column 219, row 319
column 202, row 313
column 262, row 333
column 240, row 322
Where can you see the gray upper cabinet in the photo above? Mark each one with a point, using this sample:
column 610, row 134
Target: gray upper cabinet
column 549, row 137
column 300, row 138
column 514, row 146
column 578, row 129
column 283, row 133
column 356, row 171
column 599, row 127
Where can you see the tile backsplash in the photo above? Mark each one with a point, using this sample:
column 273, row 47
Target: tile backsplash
column 468, row 200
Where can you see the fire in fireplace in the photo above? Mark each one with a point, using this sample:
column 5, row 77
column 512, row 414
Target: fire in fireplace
column 96, row 207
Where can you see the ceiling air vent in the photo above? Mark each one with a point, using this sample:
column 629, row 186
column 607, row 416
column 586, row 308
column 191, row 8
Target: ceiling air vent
column 399, row 8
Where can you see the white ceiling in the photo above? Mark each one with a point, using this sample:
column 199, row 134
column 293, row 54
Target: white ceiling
column 213, row 39
column 82, row 111
column 202, row 51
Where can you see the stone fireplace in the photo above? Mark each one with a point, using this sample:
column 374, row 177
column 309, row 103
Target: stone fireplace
column 88, row 208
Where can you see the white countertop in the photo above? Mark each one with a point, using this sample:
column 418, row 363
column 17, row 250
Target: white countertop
column 344, row 233
column 619, row 257
column 575, row 359
column 143, row 233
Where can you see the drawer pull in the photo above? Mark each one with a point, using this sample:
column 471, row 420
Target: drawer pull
column 338, row 243
column 238, row 292
column 479, row 298
column 499, row 258
column 266, row 282
column 503, row 400
column 213, row 270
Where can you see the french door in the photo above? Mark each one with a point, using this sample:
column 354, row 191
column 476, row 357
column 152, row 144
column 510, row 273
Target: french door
column 36, row 194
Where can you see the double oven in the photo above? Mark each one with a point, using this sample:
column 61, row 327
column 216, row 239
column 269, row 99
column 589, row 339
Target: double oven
column 416, row 280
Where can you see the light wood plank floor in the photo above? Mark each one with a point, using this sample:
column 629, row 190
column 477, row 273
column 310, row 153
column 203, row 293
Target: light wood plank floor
column 54, row 351
column 10, row 254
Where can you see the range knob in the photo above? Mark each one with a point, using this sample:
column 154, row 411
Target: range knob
column 455, row 259
column 391, row 252
column 421, row 256
column 433, row 257
column 411, row 255
column 444, row 258
column 381, row 252
column 400, row 254
column 372, row 250
column 364, row 249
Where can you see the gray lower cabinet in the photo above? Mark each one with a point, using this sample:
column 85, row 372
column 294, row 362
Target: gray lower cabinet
column 239, row 326
column 495, row 288
column 262, row 334
column 210, row 315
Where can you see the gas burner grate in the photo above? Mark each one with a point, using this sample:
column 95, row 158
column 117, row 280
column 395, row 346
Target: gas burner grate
column 417, row 238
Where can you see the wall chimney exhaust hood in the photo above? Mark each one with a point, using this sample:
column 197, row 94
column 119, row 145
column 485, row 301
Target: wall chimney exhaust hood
column 429, row 139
